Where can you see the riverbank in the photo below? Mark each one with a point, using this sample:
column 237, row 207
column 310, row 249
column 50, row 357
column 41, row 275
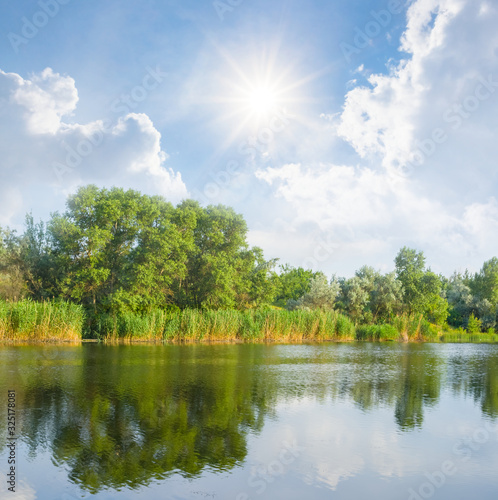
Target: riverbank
column 58, row 321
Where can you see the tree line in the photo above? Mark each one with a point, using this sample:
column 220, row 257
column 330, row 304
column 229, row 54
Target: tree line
column 117, row 251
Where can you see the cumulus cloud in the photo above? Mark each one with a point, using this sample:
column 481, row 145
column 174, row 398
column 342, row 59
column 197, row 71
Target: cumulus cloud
column 431, row 115
column 43, row 149
column 449, row 49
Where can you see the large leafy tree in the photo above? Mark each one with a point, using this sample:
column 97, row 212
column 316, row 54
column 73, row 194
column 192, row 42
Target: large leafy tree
column 218, row 260
column 370, row 296
column 422, row 289
column 118, row 250
column 262, row 280
column 292, row 283
column 484, row 284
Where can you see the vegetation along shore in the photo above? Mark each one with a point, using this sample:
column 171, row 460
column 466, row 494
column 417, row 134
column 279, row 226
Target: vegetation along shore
column 122, row 265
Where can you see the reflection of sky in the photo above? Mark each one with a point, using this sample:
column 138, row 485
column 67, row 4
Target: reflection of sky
column 352, row 453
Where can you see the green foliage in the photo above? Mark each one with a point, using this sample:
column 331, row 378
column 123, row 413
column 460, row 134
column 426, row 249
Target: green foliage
column 474, row 325
column 377, row 332
column 218, row 263
column 422, row 289
column 322, row 295
column 292, row 283
column 370, row 296
column 226, row 325
column 119, row 250
column 485, row 283
column 128, row 258
column 12, row 282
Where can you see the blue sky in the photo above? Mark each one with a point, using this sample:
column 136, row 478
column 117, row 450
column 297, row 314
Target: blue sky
column 358, row 144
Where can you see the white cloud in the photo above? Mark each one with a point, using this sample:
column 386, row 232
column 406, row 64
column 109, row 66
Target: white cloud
column 449, row 47
column 46, row 98
column 447, row 207
column 44, row 153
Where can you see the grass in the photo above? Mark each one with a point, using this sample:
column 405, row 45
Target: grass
column 260, row 325
column 461, row 336
column 61, row 321
column 41, row 321
column 377, row 332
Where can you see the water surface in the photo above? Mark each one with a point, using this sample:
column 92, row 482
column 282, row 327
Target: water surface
column 316, row 421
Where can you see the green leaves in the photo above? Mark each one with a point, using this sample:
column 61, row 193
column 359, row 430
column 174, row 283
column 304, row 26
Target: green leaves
column 123, row 251
column 422, row 289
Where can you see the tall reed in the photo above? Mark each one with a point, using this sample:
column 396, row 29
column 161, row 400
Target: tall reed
column 49, row 320
column 227, row 325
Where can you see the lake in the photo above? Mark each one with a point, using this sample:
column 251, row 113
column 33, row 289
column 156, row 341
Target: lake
column 309, row 421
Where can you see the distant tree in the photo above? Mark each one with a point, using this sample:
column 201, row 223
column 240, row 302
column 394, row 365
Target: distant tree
column 410, row 266
column 422, row 289
column 292, row 283
column 218, row 261
column 370, row 296
column 262, row 280
column 485, row 283
column 466, row 296
column 386, row 297
column 460, row 300
column 322, row 295
column 12, row 283
column 355, row 297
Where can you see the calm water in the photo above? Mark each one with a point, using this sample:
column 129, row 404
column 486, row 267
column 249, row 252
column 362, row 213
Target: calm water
column 345, row 421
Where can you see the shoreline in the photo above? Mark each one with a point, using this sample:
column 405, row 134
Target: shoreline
column 114, row 342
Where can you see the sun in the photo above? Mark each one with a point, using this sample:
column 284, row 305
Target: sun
column 252, row 89
column 262, row 100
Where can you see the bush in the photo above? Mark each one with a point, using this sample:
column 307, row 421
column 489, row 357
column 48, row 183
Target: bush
column 474, row 325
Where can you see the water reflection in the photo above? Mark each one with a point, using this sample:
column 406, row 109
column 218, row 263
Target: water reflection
column 117, row 416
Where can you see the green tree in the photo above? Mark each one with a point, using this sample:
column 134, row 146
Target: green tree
column 355, row 295
column 12, row 282
column 118, row 250
column 322, row 295
column 262, row 279
column 474, row 325
column 485, row 283
column 218, row 260
column 422, row 289
column 292, row 283
column 386, row 297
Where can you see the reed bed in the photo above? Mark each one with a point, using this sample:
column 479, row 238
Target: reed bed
column 263, row 325
column 62, row 321
column 40, row 321
column 471, row 338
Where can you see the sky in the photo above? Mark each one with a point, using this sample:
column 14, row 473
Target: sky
column 342, row 131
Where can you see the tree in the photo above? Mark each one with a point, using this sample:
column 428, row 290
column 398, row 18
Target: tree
column 322, row 295
column 422, row 289
column 410, row 266
column 12, row 284
column 217, row 261
column 474, row 325
column 118, row 250
column 466, row 296
column 485, row 283
column 261, row 280
column 386, row 297
column 355, row 295
column 292, row 283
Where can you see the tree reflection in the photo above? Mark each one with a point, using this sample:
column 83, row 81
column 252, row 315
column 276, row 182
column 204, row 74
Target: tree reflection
column 125, row 416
